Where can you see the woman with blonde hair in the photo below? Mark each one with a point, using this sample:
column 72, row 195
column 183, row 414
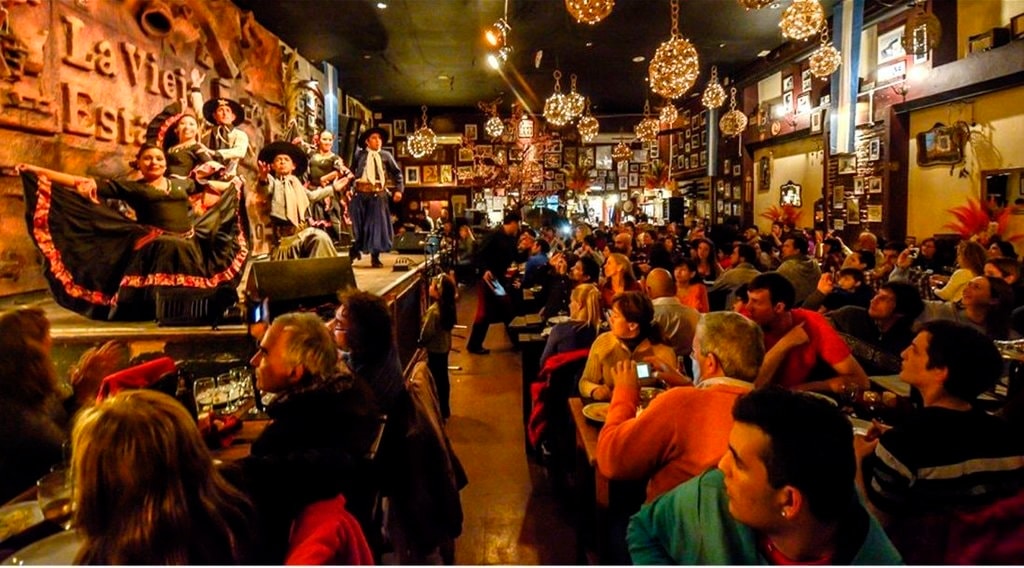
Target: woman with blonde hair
column 970, row 262
column 146, row 489
column 619, row 278
column 583, row 325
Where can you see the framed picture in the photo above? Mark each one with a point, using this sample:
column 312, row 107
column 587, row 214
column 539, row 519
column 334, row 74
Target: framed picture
column 847, row 164
column 858, row 186
column 447, row 175
column 703, row 158
column 704, row 138
column 470, row 131
column 853, row 211
column 805, row 80
column 386, row 127
column 720, row 188
column 634, row 179
column 791, row 194
column 639, row 155
column 695, row 141
column 484, row 150
column 874, row 149
column 464, row 173
column 803, row 103
column 890, row 45
column 622, row 168
column 694, row 160
column 500, row 155
column 555, row 146
column 825, row 100
column 874, row 184
column 603, row 157
column 654, row 153
column 838, row 196
column 686, row 163
column 515, row 154
column 787, row 101
column 875, row 213
column 549, row 174
column 817, row 119
column 569, row 155
column 726, row 166
column 686, row 147
column 401, row 149
column 703, row 117
column 787, row 83
column 526, row 128
column 552, row 160
column 623, row 182
column 431, row 174
column 399, row 128
column 737, row 170
column 936, row 147
column 634, row 167
column 1017, row 26
column 765, row 181
column 465, row 154
column 587, row 158
column 412, row 175
column 838, row 224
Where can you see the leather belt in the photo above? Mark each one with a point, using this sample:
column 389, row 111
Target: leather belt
column 366, row 187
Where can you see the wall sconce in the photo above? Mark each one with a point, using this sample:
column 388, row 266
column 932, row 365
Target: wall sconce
column 917, row 74
column 500, row 58
column 497, row 34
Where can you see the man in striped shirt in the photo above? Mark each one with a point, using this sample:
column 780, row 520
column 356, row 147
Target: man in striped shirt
column 948, row 454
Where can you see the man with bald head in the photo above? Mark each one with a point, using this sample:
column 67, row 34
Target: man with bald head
column 678, row 323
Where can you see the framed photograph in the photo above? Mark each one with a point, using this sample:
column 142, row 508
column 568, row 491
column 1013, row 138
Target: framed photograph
column 817, row 119
column 874, row 184
column 412, row 175
column 552, row 160
column 399, row 128
column 654, row 153
column 526, row 128
column 704, row 138
column 703, row 158
column 464, row 173
column 634, row 179
column 603, row 158
column 874, row 149
column 890, row 45
column 386, row 127
column 686, row 163
column 825, row 100
column 726, row 166
column 634, row 168
column 587, row 157
column 853, row 211
column 447, row 174
column 858, row 186
column 764, row 183
column 465, row 154
column 936, row 147
column 549, row 174
column 570, row 154
column 805, row 80
column 431, row 174
column 515, row 154
column 787, row 101
column 803, row 103
column 622, row 168
column 470, row 131
column 875, row 213
column 695, row 141
column 686, row 147
column 623, row 182
column 838, row 196
column 720, row 188
column 639, row 155
column 703, row 117
column 737, row 170
column 500, row 155
column 847, row 164
column 787, row 83
column 555, row 146
column 838, row 224
column 401, row 149
column 484, row 150
column 1017, row 26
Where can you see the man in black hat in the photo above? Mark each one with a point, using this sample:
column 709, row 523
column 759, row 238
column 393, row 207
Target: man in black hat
column 371, row 217
column 280, row 164
column 228, row 142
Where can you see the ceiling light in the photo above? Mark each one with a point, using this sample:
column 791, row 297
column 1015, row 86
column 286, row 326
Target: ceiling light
column 382, row 5
column 826, row 59
column 367, row 56
column 639, row 59
column 647, row 129
column 557, row 109
column 589, row 11
column 497, row 33
column 802, row 19
column 734, row 122
column 423, row 141
column 714, row 95
column 589, row 44
column 588, row 125
column 500, row 57
column 922, row 31
column 755, row 4
column 763, row 53
column 674, row 67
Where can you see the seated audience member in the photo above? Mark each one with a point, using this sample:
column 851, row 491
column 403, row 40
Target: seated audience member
column 536, row 264
column 590, row 248
column 739, row 305
column 926, row 258
column 801, row 270
column 832, row 255
column 948, row 454
column 685, row 430
column 1009, row 270
column 147, row 491
column 324, row 420
column 690, row 289
column 562, row 280
column 743, row 270
column 583, row 326
column 703, row 251
column 878, row 334
column 849, row 290
column 970, row 261
column 867, row 241
column 861, row 260
column 619, row 278
column 662, row 253
column 998, row 247
column 677, row 322
column 804, row 351
column 890, row 252
column 633, row 337
column 987, row 305
column 771, row 500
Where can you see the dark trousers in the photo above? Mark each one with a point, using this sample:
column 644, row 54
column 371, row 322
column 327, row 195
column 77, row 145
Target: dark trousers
column 489, row 309
column 438, row 365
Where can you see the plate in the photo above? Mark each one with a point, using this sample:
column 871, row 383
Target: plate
column 19, row 517
column 827, row 399
column 860, row 426
column 55, row 550
column 558, row 319
column 596, row 411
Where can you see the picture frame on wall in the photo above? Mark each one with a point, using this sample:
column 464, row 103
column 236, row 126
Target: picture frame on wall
column 874, row 184
column 400, row 148
column 634, row 167
column 431, row 174
column 847, row 164
column 787, row 102
column 634, row 179
column 838, row 196
column 470, row 132
column 447, row 175
column 703, row 158
column 726, row 166
column 825, row 100
column 858, row 186
column 464, row 173
column 874, row 149
column 603, row 157
column 805, row 80
column 570, row 155
column 803, row 103
column 515, row 154
column 817, row 120
column 386, row 127
column 587, row 158
column 622, row 167
column 624, row 182
column 853, row 212
column 737, row 170
column 838, row 224
column 552, row 160
column 484, row 150
column 654, row 153
column 555, row 146
column 412, row 175
column 787, row 83
column 875, row 213
column 399, row 128
column 890, row 45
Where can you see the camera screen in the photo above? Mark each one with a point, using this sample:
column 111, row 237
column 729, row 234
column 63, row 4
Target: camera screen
column 643, row 370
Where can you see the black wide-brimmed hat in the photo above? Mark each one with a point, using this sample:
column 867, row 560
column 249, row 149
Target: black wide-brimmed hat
column 375, row 130
column 212, row 105
column 161, row 130
column 275, row 149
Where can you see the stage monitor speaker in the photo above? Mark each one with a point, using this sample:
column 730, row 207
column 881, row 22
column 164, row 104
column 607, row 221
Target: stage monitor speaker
column 285, row 285
column 411, row 242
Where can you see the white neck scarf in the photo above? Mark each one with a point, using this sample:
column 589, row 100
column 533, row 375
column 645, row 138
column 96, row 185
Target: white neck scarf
column 374, row 166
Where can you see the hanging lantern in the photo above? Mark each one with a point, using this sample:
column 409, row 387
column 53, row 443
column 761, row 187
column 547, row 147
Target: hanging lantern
column 574, row 100
column 589, row 11
column 621, row 153
column 588, row 125
column 423, row 141
column 556, row 107
column 674, row 67
column 755, row 4
column 494, row 127
column 714, row 94
column 802, row 19
column 668, row 114
column 733, row 122
column 826, row 59
column 922, row 31
column 647, row 129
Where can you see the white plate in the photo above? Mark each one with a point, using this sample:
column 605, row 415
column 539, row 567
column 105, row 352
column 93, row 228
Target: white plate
column 596, row 411
column 55, row 550
column 860, row 426
column 17, row 518
column 558, row 319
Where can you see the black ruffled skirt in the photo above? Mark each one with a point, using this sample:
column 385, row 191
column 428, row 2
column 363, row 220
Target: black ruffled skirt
column 105, row 266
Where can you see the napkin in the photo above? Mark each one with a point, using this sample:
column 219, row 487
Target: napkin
column 137, row 377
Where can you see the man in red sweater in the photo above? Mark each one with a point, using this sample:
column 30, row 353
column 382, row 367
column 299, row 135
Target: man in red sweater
column 685, row 430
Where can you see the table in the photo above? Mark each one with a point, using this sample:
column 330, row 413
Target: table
column 241, row 441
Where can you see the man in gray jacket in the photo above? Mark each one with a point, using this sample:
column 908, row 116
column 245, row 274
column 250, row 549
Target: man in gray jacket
column 801, row 270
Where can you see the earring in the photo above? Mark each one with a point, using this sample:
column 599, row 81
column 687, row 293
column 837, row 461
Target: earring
column 784, row 515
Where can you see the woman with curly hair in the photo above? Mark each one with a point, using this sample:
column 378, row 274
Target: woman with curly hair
column 146, row 489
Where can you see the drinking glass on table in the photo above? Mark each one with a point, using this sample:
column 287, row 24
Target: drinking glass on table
column 205, row 392
column 54, row 493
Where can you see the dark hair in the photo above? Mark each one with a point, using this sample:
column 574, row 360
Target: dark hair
column 511, row 218
column 833, row 245
column 637, row 308
column 590, row 240
column 810, row 446
column 867, row 258
column 544, row 245
column 747, row 253
column 780, row 289
column 799, row 242
column 1005, row 265
column 147, row 146
column 743, row 293
column 972, row 362
column 1005, row 248
column 446, row 302
column 370, row 334
column 997, row 317
column 908, row 298
column 855, row 273
column 897, row 246
column 591, row 268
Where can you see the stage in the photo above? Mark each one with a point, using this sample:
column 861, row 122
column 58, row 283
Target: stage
column 224, row 346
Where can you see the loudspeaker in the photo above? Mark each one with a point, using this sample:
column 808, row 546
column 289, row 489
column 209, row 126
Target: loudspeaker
column 285, row 285
column 411, row 242
column 675, row 209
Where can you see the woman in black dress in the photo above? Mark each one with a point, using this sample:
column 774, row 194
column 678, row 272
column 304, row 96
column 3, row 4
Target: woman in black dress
column 327, row 168
column 106, row 266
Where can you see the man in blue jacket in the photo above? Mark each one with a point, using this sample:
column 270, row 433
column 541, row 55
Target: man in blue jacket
column 371, row 216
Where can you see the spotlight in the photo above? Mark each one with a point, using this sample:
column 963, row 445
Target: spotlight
column 499, row 58
column 497, row 34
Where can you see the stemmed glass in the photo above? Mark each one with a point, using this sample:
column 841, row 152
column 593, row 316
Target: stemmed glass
column 55, row 494
column 205, row 392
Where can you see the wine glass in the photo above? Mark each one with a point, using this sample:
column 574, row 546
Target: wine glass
column 205, row 392
column 55, row 494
